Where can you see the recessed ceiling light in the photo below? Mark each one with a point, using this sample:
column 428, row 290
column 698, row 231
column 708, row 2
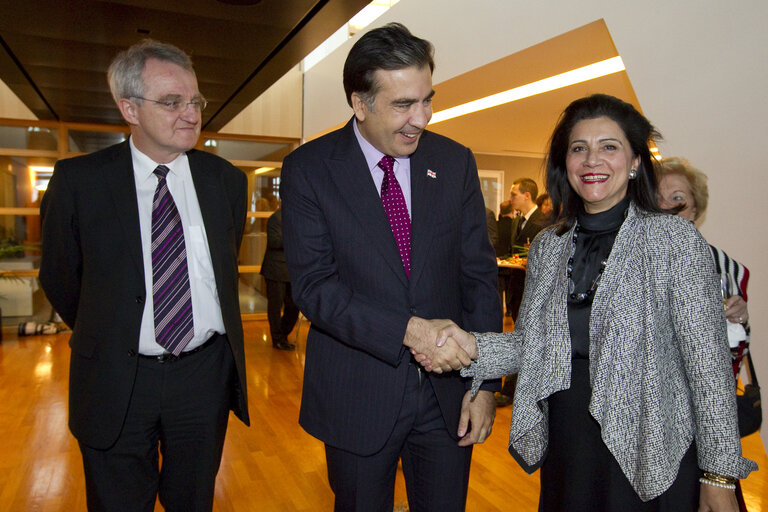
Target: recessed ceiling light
column 575, row 76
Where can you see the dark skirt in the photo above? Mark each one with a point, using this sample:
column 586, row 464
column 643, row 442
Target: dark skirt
column 580, row 474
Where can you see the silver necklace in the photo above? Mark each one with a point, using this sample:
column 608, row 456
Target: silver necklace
column 583, row 296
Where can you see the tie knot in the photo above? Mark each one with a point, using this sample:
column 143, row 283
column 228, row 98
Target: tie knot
column 161, row 171
column 387, row 163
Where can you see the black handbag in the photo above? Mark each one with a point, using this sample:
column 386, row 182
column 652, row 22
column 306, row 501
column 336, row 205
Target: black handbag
column 748, row 406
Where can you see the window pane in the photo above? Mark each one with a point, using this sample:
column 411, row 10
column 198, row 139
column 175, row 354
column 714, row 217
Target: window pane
column 28, row 137
column 89, row 141
column 247, row 150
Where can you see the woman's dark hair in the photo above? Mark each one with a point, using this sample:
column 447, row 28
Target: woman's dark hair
column 639, row 132
column 389, row 47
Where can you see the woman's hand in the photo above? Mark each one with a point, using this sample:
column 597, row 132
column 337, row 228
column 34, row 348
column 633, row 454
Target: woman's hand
column 717, row 499
column 736, row 310
column 453, row 342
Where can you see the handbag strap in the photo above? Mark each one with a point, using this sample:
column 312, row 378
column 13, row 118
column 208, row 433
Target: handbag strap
column 751, row 370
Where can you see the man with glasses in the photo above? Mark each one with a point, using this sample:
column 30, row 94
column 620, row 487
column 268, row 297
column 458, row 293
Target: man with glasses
column 140, row 245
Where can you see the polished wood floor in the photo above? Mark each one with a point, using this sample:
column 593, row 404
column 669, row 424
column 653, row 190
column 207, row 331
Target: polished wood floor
column 271, row 466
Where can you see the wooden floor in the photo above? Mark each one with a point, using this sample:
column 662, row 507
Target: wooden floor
column 271, row 466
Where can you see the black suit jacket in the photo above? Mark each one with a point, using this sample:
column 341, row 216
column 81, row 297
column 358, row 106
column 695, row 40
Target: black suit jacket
column 348, row 279
column 92, row 271
column 273, row 266
column 504, row 243
column 536, row 223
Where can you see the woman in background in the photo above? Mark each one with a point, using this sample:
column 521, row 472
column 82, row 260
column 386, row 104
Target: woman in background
column 624, row 397
column 682, row 187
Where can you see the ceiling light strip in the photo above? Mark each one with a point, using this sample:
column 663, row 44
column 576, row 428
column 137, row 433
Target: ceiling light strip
column 592, row 71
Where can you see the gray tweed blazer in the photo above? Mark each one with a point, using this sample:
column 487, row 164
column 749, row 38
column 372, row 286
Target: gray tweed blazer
column 660, row 367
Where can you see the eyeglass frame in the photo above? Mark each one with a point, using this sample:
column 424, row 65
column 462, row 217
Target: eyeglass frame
column 201, row 103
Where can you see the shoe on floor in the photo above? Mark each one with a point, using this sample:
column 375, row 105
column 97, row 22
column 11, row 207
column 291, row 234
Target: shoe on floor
column 503, row 400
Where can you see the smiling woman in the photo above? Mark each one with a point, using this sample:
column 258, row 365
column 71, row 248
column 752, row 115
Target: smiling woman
column 599, row 163
column 634, row 344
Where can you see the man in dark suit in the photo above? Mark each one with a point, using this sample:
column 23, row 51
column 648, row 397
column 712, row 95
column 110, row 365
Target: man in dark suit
column 140, row 244
column 282, row 312
column 506, row 225
column 522, row 196
column 384, row 227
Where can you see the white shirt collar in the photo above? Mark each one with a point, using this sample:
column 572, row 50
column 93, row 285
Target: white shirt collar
column 144, row 167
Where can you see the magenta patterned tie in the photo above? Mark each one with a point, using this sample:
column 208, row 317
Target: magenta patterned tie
column 171, row 294
column 397, row 211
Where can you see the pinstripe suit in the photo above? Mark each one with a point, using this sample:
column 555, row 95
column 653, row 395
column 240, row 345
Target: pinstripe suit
column 659, row 360
column 348, row 279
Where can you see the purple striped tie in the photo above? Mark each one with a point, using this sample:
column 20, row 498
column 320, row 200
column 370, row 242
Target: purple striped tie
column 171, row 293
column 397, row 211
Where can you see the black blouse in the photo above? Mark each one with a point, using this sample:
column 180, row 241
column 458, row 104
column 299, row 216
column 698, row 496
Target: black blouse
column 594, row 241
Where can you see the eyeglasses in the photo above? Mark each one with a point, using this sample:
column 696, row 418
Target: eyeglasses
column 174, row 105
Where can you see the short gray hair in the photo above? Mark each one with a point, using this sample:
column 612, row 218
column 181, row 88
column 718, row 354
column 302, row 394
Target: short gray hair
column 124, row 73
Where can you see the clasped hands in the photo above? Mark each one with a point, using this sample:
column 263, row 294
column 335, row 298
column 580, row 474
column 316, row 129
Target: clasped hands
column 439, row 345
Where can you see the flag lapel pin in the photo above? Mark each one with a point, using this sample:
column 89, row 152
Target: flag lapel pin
column 432, row 174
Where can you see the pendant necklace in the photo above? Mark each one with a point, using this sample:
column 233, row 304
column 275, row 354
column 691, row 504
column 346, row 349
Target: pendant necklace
column 581, row 297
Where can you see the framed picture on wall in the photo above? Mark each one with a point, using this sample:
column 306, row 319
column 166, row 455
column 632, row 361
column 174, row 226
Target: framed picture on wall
column 492, row 186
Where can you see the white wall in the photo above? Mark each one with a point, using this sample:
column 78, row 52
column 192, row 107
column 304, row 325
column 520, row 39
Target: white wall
column 698, row 68
column 276, row 112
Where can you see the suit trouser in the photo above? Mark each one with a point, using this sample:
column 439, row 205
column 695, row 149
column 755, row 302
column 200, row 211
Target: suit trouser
column 282, row 313
column 182, row 406
column 435, row 467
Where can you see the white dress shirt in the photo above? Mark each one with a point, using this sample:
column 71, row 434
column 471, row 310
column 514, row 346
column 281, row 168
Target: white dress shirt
column 206, row 310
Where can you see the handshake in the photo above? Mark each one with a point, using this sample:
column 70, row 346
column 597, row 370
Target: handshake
column 439, row 345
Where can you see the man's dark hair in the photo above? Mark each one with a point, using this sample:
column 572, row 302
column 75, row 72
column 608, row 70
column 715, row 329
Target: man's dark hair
column 389, row 47
column 527, row 185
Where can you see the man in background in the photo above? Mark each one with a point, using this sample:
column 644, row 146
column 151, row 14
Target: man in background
column 282, row 312
column 531, row 220
column 139, row 257
column 384, row 228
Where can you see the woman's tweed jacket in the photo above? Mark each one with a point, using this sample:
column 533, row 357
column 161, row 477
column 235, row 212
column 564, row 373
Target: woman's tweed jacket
column 660, row 367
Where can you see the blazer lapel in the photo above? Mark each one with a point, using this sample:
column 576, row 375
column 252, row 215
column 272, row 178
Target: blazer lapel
column 122, row 186
column 349, row 172
column 611, row 279
column 424, row 193
column 212, row 201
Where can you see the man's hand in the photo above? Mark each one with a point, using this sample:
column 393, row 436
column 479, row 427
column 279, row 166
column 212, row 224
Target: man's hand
column 421, row 336
column 479, row 413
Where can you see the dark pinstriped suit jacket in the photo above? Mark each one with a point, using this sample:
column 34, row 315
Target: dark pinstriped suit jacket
column 348, row 279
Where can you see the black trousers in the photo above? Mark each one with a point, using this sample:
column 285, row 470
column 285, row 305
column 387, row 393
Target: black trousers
column 435, row 467
column 515, row 287
column 282, row 313
column 182, row 407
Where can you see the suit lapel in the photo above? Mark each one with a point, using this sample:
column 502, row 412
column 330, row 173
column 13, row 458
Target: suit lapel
column 349, row 172
column 424, row 192
column 122, row 186
column 527, row 231
column 212, row 201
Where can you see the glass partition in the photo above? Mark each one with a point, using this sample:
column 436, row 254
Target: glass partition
column 28, row 153
column 29, row 137
column 87, row 141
